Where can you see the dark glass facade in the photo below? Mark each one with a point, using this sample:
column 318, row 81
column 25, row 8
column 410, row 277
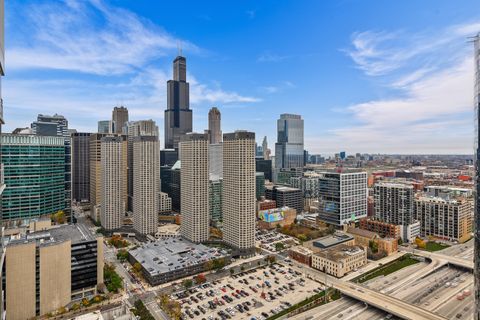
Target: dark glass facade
column 81, row 166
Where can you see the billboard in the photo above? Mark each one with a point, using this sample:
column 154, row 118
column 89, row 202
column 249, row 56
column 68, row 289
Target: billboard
column 272, row 215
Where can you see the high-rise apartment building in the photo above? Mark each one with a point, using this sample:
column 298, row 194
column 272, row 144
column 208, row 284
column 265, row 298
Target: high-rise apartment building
column 289, row 146
column 146, row 183
column 178, row 116
column 476, row 99
column 343, row 196
column 239, row 199
column 119, row 119
column 309, row 184
column 394, row 203
column 81, row 166
column 194, row 179
column 136, row 129
column 112, row 182
column 446, row 219
column 214, row 126
column 34, row 173
column 57, row 125
column 105, row 126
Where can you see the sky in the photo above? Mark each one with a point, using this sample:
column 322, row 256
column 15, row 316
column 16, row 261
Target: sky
column 366, row 76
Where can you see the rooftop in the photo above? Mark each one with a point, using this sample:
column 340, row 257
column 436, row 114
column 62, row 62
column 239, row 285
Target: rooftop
column 172, row 254
column 332, row 240
column 362, row 232
column 75, row 232
column 341, row 252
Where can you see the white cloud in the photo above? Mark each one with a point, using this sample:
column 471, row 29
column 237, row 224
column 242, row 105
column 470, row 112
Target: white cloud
column 93, row 56
column 429, row 110
column 271, row 57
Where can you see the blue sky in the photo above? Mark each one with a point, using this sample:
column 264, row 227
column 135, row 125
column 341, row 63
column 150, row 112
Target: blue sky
column 367, row 76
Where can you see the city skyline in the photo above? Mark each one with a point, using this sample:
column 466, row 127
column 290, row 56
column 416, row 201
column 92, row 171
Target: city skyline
column 394, row 69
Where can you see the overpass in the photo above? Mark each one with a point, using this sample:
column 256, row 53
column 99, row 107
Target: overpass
column 379, row 300
column 459, row 262
column 384, row 302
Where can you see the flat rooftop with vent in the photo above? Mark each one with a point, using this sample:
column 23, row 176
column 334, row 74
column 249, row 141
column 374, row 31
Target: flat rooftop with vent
column 169, row 259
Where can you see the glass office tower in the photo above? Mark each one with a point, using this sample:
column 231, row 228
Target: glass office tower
column 289, row 146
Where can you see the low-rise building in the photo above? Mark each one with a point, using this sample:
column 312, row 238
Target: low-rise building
column 364, row 238
column 384, row 229
column 301, row 254
column 340, row 260
column 174, row 258
column 269, row 219
column 167, row 231
column 334, row 240
column 266, row 204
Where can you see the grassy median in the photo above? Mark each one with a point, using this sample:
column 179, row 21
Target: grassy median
column 391, row 267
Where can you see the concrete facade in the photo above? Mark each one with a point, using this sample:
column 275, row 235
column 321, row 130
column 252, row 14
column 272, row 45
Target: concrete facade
column 194, row 179
column 239, row 200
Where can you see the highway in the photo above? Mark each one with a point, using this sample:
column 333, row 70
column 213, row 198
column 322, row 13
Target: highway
column 444, row 259
column 377, row 299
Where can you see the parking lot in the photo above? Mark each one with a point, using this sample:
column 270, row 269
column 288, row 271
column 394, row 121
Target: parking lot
column 268, row 239
column 255, row 294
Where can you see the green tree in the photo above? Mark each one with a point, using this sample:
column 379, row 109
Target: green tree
column 112, row 280
column 187, row 283
column 400, row 241
column 232, row 271
column 373, row 245
column 279, row 246
column 302, row 237
column 58, row 217
column 122, row 255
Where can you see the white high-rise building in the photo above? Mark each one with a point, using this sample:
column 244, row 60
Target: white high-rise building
column 343, row 196
column 146, row 183
column 112, row 182
column 194, row 181
column 215, row 161
column 394, row 203
column 239, row 190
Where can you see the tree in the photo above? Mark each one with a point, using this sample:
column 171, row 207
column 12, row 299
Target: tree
column 208, row 265
column 199, row 279
column 58, row 217
column 187, row 283
column 373, row 245
column 400, row 241
column 232, row 271
column 112, row 280
column 279, row 246
column 122, row 255
column 137, row 267
column 242, row 268
column 420, row 243
column 302, row 237
column 270, row 259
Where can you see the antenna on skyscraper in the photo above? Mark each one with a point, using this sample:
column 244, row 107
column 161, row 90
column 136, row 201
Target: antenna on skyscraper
column 179, row 48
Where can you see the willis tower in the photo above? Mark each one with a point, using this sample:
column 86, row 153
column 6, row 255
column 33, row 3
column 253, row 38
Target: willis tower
column 178, row 116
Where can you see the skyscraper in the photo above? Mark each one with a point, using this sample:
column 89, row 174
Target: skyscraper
column 178, row 116
column 119, row 118
column 214, row 125
column 112, row 182
column 266, row 151
column 2, row 184
column 105, row 126
column 36, row 187
column 57, row 125
column 136, row 129
column 239, row 199
column 81, row 167
column 194, row 187
column 289, row 146
column 476, row 255
column 146, row 183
